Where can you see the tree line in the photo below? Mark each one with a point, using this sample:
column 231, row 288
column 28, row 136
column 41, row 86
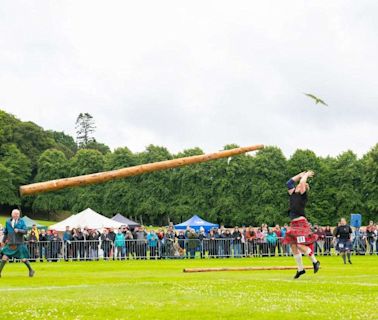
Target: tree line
column 248, row 189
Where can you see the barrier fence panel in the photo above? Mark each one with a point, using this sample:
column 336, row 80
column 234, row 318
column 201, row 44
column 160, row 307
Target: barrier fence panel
column 173, row 248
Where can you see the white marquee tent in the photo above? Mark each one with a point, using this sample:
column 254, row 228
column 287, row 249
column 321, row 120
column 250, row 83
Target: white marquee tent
column 87, row 218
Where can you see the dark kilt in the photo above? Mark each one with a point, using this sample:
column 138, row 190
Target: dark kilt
column 18, row 251
column 344, row 245
column 300, row 233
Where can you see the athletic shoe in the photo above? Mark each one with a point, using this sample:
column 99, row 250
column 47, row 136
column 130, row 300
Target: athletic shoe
column 299, row 273
column 31, row 273
column 350, row 262
column 316, row 266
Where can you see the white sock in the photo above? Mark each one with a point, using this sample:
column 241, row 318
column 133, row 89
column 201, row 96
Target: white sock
column 298, row 260
column 311, row 255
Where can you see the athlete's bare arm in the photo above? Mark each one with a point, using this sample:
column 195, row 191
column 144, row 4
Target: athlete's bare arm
column 293, row 180
column 302, row 185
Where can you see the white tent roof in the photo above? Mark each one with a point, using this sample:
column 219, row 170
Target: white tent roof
column 87, row 218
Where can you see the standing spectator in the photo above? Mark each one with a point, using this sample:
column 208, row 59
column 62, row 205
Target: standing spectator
column 327, row 240
column 130, row 245
column 319, row 244
column 264, row 243
column 169, row 239
column 106, row 244
column 285, row 247
column 221, row 241
column 112, row 236
column 86, row 232
column 370, row 236
column 186, row 234
column 119, row 245
column 271, row 239
column 243, row 241
column 181, row 239
column 227, row 238
column 213, row 245
column 202, row 242
column 277, row 231
column 236, row 237
column 141, row 245
column 55, row 247
column 33, row 246
column 161, row 236
column 44, row 240
column 36, row 231
column 67, row 243
column 75, row 244
column 250, row 238
column 79, row 238
column 153, row 241
column 260, row 241
column 93, row 242
column 192, row 243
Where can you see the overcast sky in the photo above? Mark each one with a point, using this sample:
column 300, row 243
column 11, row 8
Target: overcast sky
column 203, row 73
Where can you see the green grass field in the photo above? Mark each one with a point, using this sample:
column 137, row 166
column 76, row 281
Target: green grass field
column 160, row 290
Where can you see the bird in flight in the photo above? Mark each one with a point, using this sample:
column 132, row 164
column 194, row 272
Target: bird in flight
column 317, row 100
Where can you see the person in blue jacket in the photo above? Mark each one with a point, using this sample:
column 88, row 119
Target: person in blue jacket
column 14, row 231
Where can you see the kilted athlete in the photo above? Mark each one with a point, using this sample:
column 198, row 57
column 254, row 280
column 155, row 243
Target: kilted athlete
column 344, row 245
column 299, row 235
column 14, row 231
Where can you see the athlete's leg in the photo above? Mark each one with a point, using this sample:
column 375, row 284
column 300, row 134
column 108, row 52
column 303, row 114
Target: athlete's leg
column 348, row 255
column 308, row 252
column 27, row 263
column 298, row 259
column 3, row 262
column 342, row 253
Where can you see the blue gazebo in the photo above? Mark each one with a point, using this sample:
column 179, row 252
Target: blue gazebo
column 196, row 223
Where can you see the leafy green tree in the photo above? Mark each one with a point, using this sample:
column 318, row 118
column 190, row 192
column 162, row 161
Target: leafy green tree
column 64, row 142
column 85, row 128
column 7, row 124
column 86, row 161
column 347, row 174
column 369, row 184
column 268, row 199
column 103, row 148
column 8, row 190
column 32, row 141
column 52, row 164
column 18, row 163
column 120, row 195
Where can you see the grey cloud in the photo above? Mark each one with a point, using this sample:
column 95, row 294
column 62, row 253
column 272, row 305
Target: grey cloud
column 196, row 74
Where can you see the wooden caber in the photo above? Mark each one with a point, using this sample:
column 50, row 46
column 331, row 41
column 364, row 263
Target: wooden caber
column 101, row 177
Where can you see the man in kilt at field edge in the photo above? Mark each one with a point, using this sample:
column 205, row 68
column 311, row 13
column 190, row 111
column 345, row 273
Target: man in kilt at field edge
column 299, row 236
column 344, row 245
column 14, row 231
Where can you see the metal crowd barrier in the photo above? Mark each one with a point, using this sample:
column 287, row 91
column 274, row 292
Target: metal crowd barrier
column 178, row 249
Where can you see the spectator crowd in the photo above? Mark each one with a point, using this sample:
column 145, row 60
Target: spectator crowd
column 138, row 243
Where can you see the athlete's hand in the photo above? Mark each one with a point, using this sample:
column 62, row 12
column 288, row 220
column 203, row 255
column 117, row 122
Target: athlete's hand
column 310, row 173
column 16, row 230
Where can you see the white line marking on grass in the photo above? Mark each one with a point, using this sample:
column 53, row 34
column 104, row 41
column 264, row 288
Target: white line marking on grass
column 46, row 287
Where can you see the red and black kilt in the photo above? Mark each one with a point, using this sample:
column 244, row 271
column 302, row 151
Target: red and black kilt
column 300, row 233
